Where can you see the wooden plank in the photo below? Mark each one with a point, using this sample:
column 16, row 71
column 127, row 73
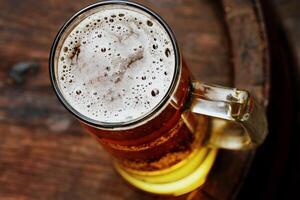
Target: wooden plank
column 250, row 56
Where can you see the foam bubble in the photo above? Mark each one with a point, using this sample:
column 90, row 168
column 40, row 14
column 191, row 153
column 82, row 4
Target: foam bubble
column 116, row 64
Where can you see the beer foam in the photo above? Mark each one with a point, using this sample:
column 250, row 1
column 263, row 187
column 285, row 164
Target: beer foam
column 116, row 64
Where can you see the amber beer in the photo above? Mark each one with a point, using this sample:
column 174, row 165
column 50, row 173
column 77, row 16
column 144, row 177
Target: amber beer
column 161, row 142
column 93, row 57
column 116, row 66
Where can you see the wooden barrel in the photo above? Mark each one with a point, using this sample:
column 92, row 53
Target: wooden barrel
column 44, row 153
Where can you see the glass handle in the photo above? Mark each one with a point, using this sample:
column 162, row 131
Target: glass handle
column 238, row 121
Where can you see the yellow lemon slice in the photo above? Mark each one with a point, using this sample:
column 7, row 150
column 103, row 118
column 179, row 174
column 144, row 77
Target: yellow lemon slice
column 189, row 182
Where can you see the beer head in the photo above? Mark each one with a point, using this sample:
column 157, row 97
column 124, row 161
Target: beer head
column 114, row 63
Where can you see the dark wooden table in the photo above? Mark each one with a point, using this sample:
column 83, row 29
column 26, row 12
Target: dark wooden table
column 44, row 153
column 289, row 20
column 275, row 172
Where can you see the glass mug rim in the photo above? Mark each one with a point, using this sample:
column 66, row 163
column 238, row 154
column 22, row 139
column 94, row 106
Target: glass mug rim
column 119, row 125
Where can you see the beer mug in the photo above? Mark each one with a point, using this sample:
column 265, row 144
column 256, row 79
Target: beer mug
column 116, row 66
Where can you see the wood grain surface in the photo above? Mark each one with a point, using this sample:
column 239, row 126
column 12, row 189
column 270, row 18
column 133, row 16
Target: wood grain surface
column 44, row 153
